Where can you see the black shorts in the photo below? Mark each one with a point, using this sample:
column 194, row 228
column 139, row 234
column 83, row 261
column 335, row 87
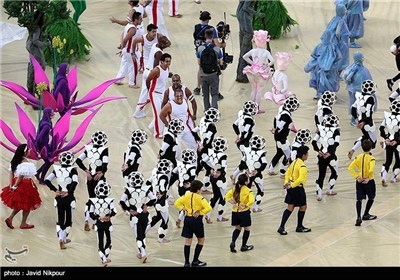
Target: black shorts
column 192, row 225
column 242, row 219
column 296, row 196
column 364, row 190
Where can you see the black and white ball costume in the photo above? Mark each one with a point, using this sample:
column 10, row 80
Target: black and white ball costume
column 389, row 131
column 101, row 209
column 244, row 124
column 66, row 176
column 133, row 155
column 135, row 200
column 160, row 184
column 97, row 155
column 362, row 110
column 255, row 162
column 303, row 137
column 395, row 94
column 324, row 106
column 207, row 129
column 219, row 162
column 328, row 136
column 283, row 124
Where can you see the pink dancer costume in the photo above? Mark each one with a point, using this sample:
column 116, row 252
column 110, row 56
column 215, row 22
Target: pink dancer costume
column 280, row 91
column 260, row 60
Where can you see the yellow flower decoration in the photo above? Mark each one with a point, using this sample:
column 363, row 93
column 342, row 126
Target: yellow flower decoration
column 40, row 87
column 58, row 43
column 71, row 51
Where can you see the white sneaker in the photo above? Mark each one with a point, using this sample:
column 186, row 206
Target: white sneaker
column 197, row 1
column 319, row 194
column 139, row 114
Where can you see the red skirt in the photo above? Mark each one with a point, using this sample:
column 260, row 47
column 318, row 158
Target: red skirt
column 25, row 197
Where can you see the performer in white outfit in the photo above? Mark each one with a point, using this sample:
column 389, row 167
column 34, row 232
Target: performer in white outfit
column 258, row 72
column 280, row 91
column 127, row 67
column 156, row 83
column 155, row 12
column 173, row 6
column 152, row 50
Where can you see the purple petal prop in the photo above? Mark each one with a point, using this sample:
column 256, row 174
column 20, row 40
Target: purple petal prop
column 49, row 101
column 31, row 144
column 79, row 111
column 7, row 147
column 20, row 91
column 43, row 153
column 96, row 92
column 25, row 123
column 72, row 78
column 40, row 75
column 80, row 132
column 9, row 134
column 61, row 128
column 60, row 103
column 104, row 100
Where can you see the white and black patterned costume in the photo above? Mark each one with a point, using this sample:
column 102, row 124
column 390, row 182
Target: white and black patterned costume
column 303, row 136
column 66, row 176
column 255, row 162
column 160, row 183
column 135, row 200
column 324, row 106
column 362, row 110
column 283, row 124
column 207, row 130
column 244, row 124
column 187, row 173
column 101, row 209
column 169, row 146
column 218, row 160
column 395, row 94
column 97, row 154
column 133, row 155
column 389, row 130
column 328, row 136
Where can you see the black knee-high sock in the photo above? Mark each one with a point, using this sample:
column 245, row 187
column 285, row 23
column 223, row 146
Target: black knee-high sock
column 368, row 206
column 300, row 218
column 358, row 209
column 285, row 217
column 197, row 252
column 245, row 237
column 186, row 252
column 235, row 235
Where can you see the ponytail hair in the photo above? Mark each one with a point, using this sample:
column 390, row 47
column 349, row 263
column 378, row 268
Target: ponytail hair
column 242, row 180
column 18, row 156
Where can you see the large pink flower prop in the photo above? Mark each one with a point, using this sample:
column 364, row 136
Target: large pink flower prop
column 88, row 102
column 58, row 141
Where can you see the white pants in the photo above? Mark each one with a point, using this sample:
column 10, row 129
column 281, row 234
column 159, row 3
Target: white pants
column 158, row 19
column 127, row 68
column 186, row 137
column 144, row 93
column 173, row 6
column 156, row 124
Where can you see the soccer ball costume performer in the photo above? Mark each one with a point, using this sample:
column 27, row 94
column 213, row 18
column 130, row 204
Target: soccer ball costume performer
column 133, row 155
column 97, row 155
column 258, row 72
column 328, row 136
column 135, row 200
column 280, row 91
column 101, row 210
column 159, row 182
column 362, row 111
column 187, row 173
column 207, row 130
column 389, row 131
column 244, row 125
column 218, row 160
column 254, row 161
column 324, row 106
column 283, row 124
column 67, row 180
column 303, row 137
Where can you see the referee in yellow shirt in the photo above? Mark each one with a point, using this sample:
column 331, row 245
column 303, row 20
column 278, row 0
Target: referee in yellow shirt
column 195, row 207
column 362, row 169
column 295, row 180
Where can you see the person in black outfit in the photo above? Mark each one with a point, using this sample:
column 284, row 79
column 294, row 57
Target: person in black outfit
column 395, row 50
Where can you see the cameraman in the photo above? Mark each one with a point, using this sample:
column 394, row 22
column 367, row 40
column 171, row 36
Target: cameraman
column 199, row 39
column 209, row 80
